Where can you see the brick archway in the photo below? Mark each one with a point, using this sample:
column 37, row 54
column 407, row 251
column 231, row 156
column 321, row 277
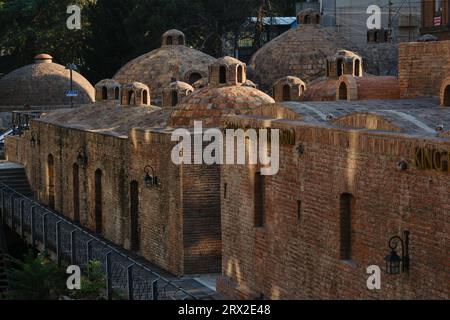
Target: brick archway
column 346, row 88
column 445, row 93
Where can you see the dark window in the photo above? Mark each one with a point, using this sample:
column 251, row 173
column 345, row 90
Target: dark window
column 181, row 40
column 104, row 93
column 169, row 40
column 299, row 210
column 340, row 67
column 286, row 93
column 116, row 93
column 131, row 98
column 145, row 97
column 346, row 210
column 225, row 190
column 357, row 68
column 51, row 181
column 240, row 74
column 259, row 200
column 343, row 91
column 134, row 216
column 174, row 98
column 194, row 77
column 307, row 19
column 98, row 202
column 223, row 74
column 447, row 96
column 76, row 192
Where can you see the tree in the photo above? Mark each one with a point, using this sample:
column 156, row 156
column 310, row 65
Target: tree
column 35, row 279
column 30, row 27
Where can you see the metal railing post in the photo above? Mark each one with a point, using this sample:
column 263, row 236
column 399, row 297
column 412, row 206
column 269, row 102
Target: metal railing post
column 88, row 251
column 130, row 279
column 108, row 276
column 72, row 247
column 58, row 243
column 21, row 217
column 3, row 206
column 155, row 290
column 44, row 231
column 32, row 227
column 11, row 202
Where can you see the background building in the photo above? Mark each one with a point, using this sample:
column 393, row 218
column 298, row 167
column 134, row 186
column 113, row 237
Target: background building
column 436, row 18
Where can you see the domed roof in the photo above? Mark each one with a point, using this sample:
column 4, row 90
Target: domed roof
column 345, row 55
column 210, row 104
column 301, row 52
column 109, row 83
column 43, row 83
column 182, row 86
column 162, row 66
column 173, row 33
column 289, row 80
column 203, row 82
column 228, row 61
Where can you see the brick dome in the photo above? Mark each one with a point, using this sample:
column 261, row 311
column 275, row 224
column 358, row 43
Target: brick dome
column 301, row 52
column 175, row 92
column 43, row 83
column 160, row 67
column 210, row 104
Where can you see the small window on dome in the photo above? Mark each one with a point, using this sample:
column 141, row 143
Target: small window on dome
column 286, row 93
column 240, row 74
column 194, row 77
column 104, row 93
column 174, row 98
column 307, row 19
column 131, row 98
column 169, row 40
column 357, row 68
column 223, row 75
column 116, row 93
column 181, row 40
column 145, row 97
column 340, row 67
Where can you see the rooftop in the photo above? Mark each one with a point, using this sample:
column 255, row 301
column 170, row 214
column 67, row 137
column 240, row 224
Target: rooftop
column 107, row 119
column 422, row 117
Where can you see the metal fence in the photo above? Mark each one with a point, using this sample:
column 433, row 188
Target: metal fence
column 46, row 229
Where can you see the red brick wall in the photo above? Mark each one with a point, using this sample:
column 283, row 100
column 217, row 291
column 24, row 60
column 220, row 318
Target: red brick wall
column 179, row 223
column 300, row 259
column 422, row 67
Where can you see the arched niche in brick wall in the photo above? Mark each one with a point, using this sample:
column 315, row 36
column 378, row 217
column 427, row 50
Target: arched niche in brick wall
column 445, row 93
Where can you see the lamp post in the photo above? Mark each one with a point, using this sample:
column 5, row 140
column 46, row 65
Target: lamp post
column 71, row 67
column 150, row 179
column 34, row 139
column 82, row 158
column 393, row 260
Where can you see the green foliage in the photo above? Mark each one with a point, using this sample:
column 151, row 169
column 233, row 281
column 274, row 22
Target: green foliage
column 35, row 279
column 92, row 285
column 115, row 31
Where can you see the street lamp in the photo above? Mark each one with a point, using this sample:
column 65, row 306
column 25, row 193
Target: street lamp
column 393, row 260
column 72, row 67
column 82, row 158
column 150, row 179
column 34, row 139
